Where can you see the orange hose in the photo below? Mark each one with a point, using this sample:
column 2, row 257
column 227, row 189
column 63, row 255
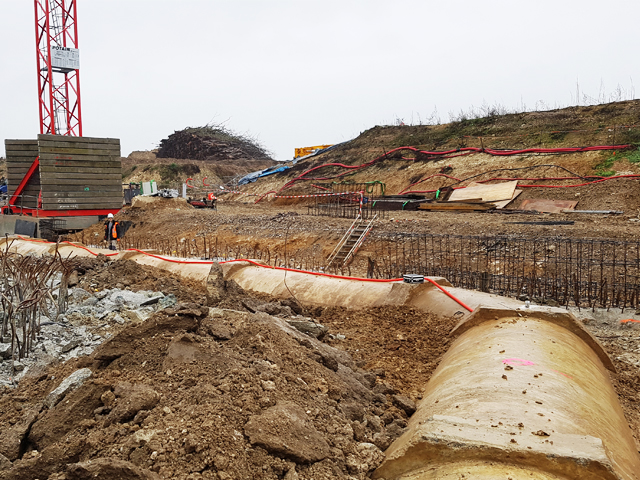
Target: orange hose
column 69, row 243
column 449, row 295
column 319, row 274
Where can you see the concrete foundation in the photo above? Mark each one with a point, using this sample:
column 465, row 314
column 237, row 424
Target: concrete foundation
column 8, row 223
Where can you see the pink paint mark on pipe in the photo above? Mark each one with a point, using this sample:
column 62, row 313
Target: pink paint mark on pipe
column 517, row 361
column 563, row 374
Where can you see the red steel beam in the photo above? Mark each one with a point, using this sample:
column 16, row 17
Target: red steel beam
column 25, row 180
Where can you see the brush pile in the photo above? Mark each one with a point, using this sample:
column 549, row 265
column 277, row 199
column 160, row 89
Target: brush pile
column 211, row 142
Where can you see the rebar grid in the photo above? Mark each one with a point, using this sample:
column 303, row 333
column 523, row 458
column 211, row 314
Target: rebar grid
column 214, row 248
column 564, row 271
column 26, row 292
column 348, row 206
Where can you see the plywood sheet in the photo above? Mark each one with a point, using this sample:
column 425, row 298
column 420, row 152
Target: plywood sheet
column 548, row 206
column 500, row 205
column 488, row 193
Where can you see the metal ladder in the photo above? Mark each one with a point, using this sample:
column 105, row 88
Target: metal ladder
column 350, row 243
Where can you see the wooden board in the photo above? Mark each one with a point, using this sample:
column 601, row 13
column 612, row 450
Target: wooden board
column 20, row 168
column 52, row 157
column 102, row 170
column 21, row 148
column 79, row 181
column 82, row 206
column 22, row 156
column 74, row 146
column 80, row 163
column 72, row 152
column 63, row 191
column 488, row 193
column 56, row 138
column 73, row 175
column 500, row 205
column 20, row 142
column 18, row 174
column 84, row 199
column 14, row 179
column 548, row 206
column 21, row 163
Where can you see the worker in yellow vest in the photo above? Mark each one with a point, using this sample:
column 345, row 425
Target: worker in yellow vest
column 112, row 232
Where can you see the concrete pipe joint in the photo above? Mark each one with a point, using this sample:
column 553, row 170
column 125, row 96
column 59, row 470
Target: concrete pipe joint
column 521, row 394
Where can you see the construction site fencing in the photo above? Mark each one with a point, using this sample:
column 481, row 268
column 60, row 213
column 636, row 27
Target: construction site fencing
column 553, row 271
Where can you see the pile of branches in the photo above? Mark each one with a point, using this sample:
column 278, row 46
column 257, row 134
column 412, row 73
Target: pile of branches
column 26, row 293
column 211, row 142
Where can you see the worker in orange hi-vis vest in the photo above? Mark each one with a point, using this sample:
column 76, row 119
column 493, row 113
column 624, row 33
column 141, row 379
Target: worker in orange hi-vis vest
column 112, row 232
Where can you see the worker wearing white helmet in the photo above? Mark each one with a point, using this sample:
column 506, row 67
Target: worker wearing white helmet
column 112, row 232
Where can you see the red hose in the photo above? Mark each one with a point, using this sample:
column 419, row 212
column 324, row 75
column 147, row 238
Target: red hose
column 319, row 274
column 444, row 154
column 264, row 195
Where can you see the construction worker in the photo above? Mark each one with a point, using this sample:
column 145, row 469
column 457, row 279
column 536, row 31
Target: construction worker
column 112, row 232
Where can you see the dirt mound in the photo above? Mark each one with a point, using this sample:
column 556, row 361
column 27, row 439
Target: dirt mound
column 215, row 394
column 409, row 350
column 145, row 166
column 600, row 125
column 199, row 392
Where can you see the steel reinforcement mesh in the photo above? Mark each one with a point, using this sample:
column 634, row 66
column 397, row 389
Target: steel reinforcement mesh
column 555, row 271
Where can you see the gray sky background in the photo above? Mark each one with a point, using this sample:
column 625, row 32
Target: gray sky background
column 298, row 73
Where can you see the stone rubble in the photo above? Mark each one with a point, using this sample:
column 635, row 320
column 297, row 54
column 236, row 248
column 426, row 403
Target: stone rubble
column 84, row 326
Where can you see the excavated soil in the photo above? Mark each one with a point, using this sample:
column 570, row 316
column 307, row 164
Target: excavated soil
column 223, row 393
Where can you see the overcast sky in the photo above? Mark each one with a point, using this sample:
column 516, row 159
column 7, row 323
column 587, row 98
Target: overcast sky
column 298, row 73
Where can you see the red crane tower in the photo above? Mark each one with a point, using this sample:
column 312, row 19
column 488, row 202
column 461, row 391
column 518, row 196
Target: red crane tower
column 72, row 181
column 58, row 67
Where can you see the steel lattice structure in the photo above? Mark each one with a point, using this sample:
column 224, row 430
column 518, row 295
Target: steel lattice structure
column 58, row 67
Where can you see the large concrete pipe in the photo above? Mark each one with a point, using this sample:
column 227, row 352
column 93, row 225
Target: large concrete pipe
column 521, row 394
column 354, row 293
